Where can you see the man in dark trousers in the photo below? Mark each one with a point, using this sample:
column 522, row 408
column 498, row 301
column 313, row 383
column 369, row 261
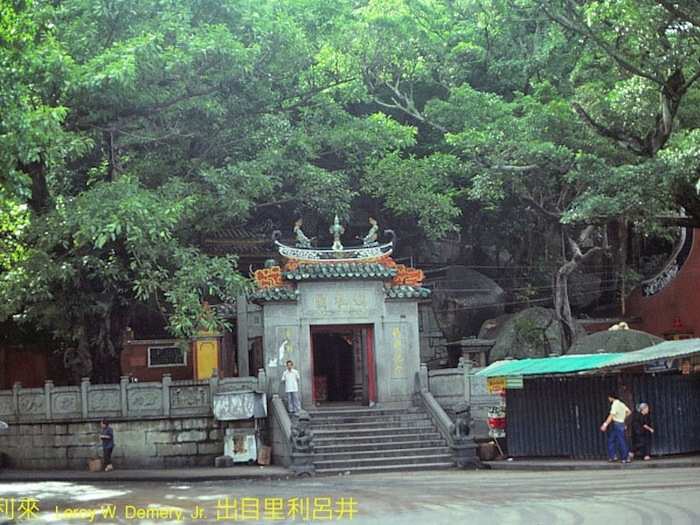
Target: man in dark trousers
column 617, row 443
column 107, row 437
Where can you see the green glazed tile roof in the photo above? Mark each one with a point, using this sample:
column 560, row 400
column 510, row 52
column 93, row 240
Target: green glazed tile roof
column 569, row 364
column 406, row 292
column 275, row 294
column 350, row 270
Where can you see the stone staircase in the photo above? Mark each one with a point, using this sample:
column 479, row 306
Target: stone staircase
column 360, row 439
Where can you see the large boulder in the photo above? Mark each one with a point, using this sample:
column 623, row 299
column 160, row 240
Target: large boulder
column 463, row 299
column 613, row 341
column 533, row 332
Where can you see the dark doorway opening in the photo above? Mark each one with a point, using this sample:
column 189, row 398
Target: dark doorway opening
column 334, row 372
column 343, row 364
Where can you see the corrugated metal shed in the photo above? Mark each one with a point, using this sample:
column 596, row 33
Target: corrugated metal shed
column 573, row 364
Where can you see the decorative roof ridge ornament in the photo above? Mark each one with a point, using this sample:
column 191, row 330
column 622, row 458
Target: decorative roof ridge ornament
column 337, row 252
column 336, row 230
column 372, row 235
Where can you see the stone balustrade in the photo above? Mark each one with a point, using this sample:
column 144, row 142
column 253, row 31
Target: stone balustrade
column 123, row 401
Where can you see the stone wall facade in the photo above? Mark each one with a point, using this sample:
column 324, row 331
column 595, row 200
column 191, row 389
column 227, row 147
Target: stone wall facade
column 287, row 334
column 156, row 443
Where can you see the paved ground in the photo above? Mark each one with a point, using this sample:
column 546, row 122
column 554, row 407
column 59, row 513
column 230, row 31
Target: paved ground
column 647, row 496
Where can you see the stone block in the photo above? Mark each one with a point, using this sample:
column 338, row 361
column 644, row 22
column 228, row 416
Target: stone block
column 60, row 429
column 65, row 440
column 179, row 449
column 82, row 452
column 205, row 461
column 191, row 435
column 56, row 453
column 92, row 438
column 179, row 462
column 216, row 434
column 166, row 425
column 223, row 462
column 211, row 448
column 196, row 423
column 157, row 436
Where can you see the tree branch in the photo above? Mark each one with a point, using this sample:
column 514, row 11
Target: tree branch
column 627, row 140
column 584, row 29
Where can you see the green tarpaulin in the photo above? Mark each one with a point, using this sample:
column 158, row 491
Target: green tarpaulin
column 571, row 364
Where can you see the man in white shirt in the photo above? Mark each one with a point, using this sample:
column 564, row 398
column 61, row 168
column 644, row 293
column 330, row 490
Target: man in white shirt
column 616, row 436
column 290, row 378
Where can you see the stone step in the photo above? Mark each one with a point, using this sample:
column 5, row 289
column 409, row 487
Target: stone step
column 387, row 445
column 380, row 454
column 416, row 459
column 379, row 431
column 319, row 421
column 385, row 468
column 320, row 440
column 421, row 423
column 361, row 412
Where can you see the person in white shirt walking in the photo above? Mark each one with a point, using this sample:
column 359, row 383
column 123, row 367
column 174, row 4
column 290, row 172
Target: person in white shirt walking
column 616, row 435
column 290, row 378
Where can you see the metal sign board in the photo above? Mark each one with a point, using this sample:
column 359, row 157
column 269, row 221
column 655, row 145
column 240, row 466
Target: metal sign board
column 661, row 365
column 513, row 382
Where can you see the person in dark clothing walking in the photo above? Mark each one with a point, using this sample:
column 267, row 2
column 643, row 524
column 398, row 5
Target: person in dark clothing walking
column 641, row 432
column 107, row 437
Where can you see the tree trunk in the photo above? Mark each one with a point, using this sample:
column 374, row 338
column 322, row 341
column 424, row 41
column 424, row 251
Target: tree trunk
column 562, row 305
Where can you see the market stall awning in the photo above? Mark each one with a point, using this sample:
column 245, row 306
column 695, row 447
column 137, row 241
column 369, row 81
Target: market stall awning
column 546, row 365
column 573, row 364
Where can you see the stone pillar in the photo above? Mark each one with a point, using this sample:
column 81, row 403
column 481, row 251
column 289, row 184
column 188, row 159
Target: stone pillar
column 423, row 373
column 262, row 381
column 242, row 336
column 48, row 387
column 467, row 375
column 84, row 390
column 213, row 385
column 124, row 384
column 16, row 388
column 167, row 380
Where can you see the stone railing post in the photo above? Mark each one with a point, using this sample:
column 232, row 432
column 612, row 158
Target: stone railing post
column 123, row 385
column 467, row 380
column 213, row 387
column 48, row 387
column 167, row 380
column 16, row 389
column 424, row 385
column 84, row 392
column 262, row 380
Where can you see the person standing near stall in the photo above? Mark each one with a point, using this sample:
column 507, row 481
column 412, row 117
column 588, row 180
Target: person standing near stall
column 642, row 432
column 616, row 435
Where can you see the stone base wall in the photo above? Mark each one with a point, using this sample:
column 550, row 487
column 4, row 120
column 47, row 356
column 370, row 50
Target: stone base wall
column 146, row 443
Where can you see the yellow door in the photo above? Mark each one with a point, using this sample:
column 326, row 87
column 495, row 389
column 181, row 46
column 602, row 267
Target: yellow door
column 207, row 358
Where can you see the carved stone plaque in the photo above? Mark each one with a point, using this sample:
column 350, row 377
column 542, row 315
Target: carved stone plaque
column 65, row 402
column 104, row 401
column 32, row 404
column 143, row 399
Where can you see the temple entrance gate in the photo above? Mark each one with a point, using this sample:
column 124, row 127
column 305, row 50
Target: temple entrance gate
column 343, row 365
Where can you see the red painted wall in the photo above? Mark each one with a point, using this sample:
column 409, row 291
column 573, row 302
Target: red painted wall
column 26, row 365
column 680, row 299
column 134, row 362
